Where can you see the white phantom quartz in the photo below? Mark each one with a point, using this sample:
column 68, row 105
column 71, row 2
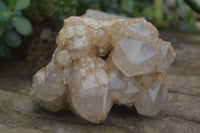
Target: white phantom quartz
column 101, row 60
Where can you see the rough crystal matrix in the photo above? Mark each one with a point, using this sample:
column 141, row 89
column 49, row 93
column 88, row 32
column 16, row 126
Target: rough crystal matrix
column 101, row 60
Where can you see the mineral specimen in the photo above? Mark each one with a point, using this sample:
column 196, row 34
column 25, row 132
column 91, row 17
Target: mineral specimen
column 101, row 60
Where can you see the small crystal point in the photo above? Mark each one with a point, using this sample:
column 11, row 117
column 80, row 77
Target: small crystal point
column 101, row 60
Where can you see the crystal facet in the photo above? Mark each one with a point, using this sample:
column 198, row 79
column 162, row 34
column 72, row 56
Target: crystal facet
column 101, row 60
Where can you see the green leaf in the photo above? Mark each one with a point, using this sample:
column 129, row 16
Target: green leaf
column 158, row 10
column 127, row 6
column 189, row 16
column 22, row 25
column 194, row 5
column 172, row 17
column 17, row 12
column 8, row 25
column 5, row 15
column 5, row 52
column 3, row 5
column 11, row 3
column 12, row 39
column 21, row 4
column 148, row 13
column 64, row 3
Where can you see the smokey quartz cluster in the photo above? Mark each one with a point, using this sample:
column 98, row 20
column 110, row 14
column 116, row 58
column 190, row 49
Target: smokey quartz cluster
column 101, row 60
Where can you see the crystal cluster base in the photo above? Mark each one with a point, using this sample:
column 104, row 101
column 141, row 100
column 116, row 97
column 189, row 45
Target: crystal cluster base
column 101, row 60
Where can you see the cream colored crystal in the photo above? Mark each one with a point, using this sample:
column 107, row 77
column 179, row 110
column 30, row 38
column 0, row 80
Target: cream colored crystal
column 101, row 60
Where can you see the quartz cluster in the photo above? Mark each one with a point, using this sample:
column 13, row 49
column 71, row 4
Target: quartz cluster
column 101, row 60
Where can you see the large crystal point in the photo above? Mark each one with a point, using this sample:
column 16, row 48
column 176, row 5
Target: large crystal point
column 89, row 89
column 101, row 60
column 48, row 89
column 138, row 49
column 154, row 94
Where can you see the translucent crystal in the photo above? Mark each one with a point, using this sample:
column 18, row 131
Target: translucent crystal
column 48, row 89
column 101, row 60
column 89, row 89
column 154, row 96
column 134, row 57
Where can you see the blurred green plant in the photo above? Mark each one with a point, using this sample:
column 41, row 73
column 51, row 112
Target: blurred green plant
column 48, row 10
column 181, row 16
column 194, row 5
column 12, row 23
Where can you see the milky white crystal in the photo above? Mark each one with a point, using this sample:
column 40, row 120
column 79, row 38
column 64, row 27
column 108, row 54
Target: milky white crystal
column 101, row 60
